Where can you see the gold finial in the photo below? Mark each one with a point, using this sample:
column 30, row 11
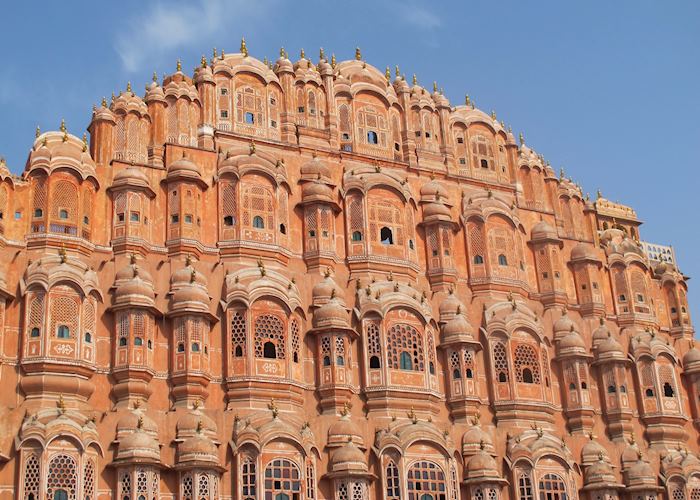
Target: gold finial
column 412, row 415
column 358, row 54
column 37, row 133
column 598, row 194
column 510, row 129
column 387, row 74
column 193, row 275
column 214, row 54
column 415, row 79
column 61, row 404
column 196, row 404
column 200, row 426
column 283, row 53
column 435, row 87
column 62, row 254
column 390, row 277
column 540, row 432
column 137, row 404
column 85, row 143
column 332, row 60
column 222, row 54
column 63, row 126
column 188, row 260
column 104, row 102
column 493, row 114
column 128, row 87
column 203, row 61
column 327, row 273
column 139, row 422
column 321, row 54
column 346, row 409
column 562, row 173
column 467, row 101
column 272, row 406
column 302, row 54
column 244, row 48
column 482, row 444
column 397, row 73
column 155, row 77
column 522, row 139
column 179, row 66
column 251, row 148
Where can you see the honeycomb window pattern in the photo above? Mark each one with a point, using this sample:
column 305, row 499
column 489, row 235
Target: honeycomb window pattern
column 269, row 328
column 405, row 338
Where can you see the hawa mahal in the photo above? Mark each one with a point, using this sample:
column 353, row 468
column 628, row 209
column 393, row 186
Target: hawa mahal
column 306, row 281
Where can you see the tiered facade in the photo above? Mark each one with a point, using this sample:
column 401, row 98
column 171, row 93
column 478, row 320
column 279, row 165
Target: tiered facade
column 300, row 281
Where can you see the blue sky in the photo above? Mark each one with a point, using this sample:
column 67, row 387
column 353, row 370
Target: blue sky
column 609, row 90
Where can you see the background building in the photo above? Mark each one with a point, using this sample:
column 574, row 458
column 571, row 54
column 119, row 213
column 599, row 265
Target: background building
column 318, row 281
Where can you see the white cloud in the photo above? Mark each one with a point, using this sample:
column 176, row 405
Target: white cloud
column 165, row 27
column 419, row 17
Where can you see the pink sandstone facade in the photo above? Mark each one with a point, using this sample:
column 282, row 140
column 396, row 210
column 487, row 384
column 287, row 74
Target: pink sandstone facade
column 317, row 281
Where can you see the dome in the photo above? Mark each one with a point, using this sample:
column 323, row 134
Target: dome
column 599, row 473
column 134, row 285
column 343, row 430
column 449, row 307
column 184, row 167
column 324, row 290
column 191, row 293
column 572, row 343
column 691, row 361
column 476, row 439
column 437, row 210
column 640, row 473
column 432, row 191
column 138, row 446
column 332, row 313
column 610, row 348
column 187, row 275
column 348, row 458
column 563, row 325
column 583, row 251
column 601, row 333
column 591, row 451
column 193, row 422
column 315, row 169
column 543, row 231
column 135, row 420
column 482, row 466
column 457, row 328
column 198, row 448
column 131, row 175
column 316, row 191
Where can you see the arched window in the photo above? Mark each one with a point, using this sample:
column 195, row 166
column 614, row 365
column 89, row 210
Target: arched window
column 456, row 374
column 500, row 361
column 374, row 362
column 372, row 137
column 386, row 236
column 228, row 220
column 63, row 214
column 88, row 337
column 326, row 361
column 283, row 229
column 552, row 487
column 35, row 332
column 122, row 342
column 478, row 259
column 356, row 236
column 181, row 347
column 526, row 365
column 502, row 260
column 62, row 478
column 238, row 352
column 426, row 481
column 282, row 480
column 269, row 351
column 406, row 363
column 612, row 389
column 405, row 347
column 195, row 346
column 269, row 337
column 248, row 479
column 668, row 390
column 393, row 490
column 524, row 486
column 258, row 222
column 469, row 373
column 63, row 332
column 340, row 361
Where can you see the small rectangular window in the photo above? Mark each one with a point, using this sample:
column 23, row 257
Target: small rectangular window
column 188, row 219
column 224, row 91
column 460, row 140
column 120, row 217
column 273, row 101
column 134, row 217
column 300, row 109
column 595, row 285
column 18, row 215
column 175, row 218
column 273, row 123
column 545, row 275
column 250, row 118
column 462, row 161
column 224, row 113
